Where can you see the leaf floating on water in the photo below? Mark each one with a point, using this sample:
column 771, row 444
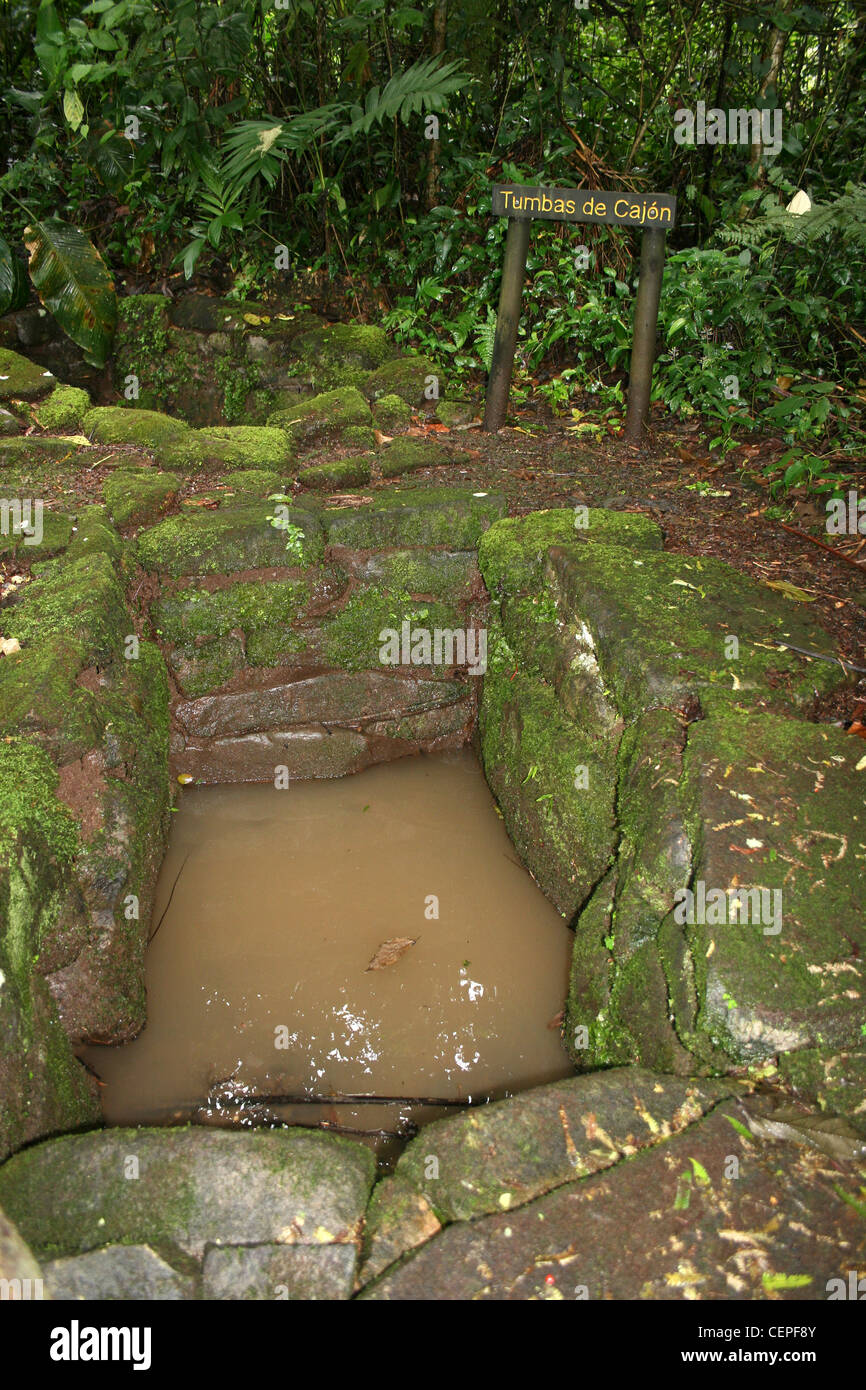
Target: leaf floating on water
column 391, row 951
column 832, row 1134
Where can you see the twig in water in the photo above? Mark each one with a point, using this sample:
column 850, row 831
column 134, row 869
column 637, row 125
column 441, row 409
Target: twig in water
column 168, row 904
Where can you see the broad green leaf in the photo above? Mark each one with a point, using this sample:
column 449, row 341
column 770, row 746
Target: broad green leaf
column 14, row 289
column 73, row 108
column 74, row 283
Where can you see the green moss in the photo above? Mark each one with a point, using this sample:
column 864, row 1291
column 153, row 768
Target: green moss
column 352, row 639
column 512, row 553
column 148, row 429
column 80, row 602
column 449, row 576
column 391, row 413
column 202, row 668
column 136, row 498
column 531, row 755
column 342, row 354
column 258, row 482
column 248, row 605
column 64, row 410
column 34, row 451
column 452, row 413
column 322, row 417
column 408, row 455
column 406, row 377
column 94, row 536
column 359, row 437
column 234, row 538
column 247, row 446
column 415, row 517
column 270, row 646
column 351, row 472
column 56, row 535
column 29, row 806
column 21, row 379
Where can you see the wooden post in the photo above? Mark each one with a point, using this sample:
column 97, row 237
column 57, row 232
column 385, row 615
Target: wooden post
column 643, row 349
column 507, row 320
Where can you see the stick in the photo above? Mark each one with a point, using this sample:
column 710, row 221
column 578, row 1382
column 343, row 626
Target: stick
column 241, row 1100
column 804, row 536
column 168, row 904
column 816, row 656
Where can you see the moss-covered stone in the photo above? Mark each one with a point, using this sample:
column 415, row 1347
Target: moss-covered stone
column 408, row 455
column 257, row 482
column 194, row 612
column 20, row 540
column 401, row 517
column 323, row 417
column 343, row 354
column 246, row 446
column 453, row 413
column 94, row 535
column 148, row 429
column 64, row 410
column 271, row 646
column 32, row 451
column 391, row 413
column 42, row 1086
column 513, row 552
column 442, row 574
column 200, row 668
column 350, row 472
column 352, row 638
column 234, row 538
column 359, row 437
column 406, row 377
column 133, row 499
column 196, row 1188
column 21, row 379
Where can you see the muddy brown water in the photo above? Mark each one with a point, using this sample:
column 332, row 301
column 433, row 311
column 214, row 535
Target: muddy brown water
column 271, row 904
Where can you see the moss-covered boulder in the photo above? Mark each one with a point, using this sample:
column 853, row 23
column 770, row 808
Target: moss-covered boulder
column 323, row 417
column 401, row 517
column 359, row 437
column 231, row 539
column 246, row 446
column 64, row 410
column 353, row 640
column 146, row 429
column 257, row 482
column 343, row 354
column 134, row 499
column 33, row 451
column 444, row 574
column 391, row 413
column 33, row 532
column 408, row 455
column 350, row 472
column 453, row 413
column 195, row 1188
column 196, row 612
column 43, row 1088
column 21, row 379
column 414, row 379
column 513, row 553
column 94, row 535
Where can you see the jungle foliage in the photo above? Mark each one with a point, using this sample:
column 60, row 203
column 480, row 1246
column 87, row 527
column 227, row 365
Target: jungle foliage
column 224, row 141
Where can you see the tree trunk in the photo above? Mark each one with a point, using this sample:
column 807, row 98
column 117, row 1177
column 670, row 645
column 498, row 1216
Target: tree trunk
column 440, row 12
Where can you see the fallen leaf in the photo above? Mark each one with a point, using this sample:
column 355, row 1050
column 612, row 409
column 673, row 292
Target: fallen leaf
column 8, row 645
column 390, row 952
column 790, row 590
column 383, row 438
column 76, row 439
column 832, row 1134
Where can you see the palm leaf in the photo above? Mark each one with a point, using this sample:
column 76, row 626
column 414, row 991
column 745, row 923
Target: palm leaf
column 14, row 289
column 425, row 84
column 74, row 283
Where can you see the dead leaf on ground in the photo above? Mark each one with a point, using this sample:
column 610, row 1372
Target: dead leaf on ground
column 383, row 438
column 832, row 1134
column 391, row 951
column 348, row 499
column 9, row 645
column 790, row 590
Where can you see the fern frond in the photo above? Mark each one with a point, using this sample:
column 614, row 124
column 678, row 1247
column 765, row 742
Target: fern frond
column 485, row 334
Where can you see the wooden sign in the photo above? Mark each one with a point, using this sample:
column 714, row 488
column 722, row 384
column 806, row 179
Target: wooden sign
column 617, row 208
column 650, row 213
